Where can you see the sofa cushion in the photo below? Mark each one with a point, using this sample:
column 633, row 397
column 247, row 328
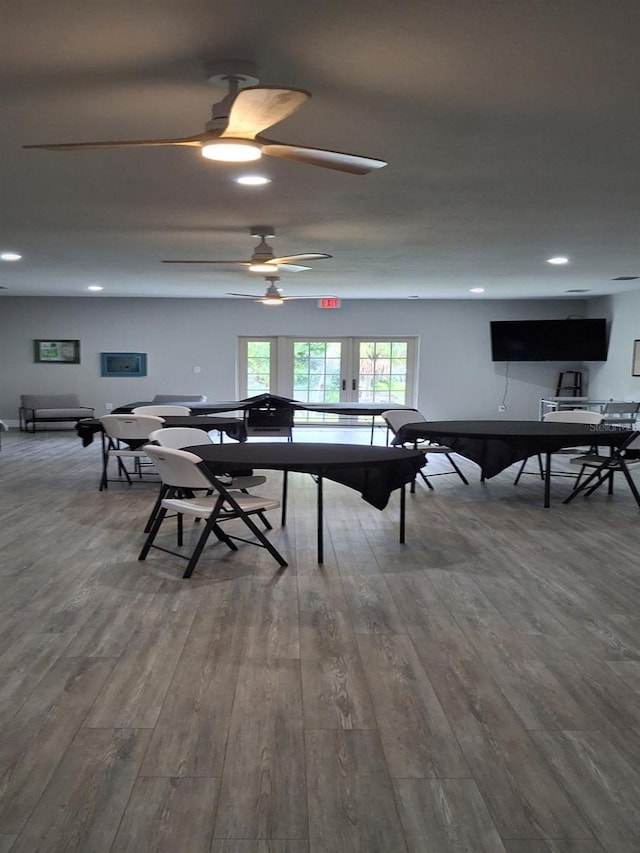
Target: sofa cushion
column 59, row 414
column 50, row 401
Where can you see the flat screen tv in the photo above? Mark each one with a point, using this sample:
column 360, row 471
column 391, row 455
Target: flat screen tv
column 549, row 340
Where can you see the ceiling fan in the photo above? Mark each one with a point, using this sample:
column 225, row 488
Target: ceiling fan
column 273, row 294
column 263, row 260
column 234, row 132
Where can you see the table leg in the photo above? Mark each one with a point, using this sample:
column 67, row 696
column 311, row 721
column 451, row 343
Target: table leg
column 285, row 484
column 547, row 480
column 320, row 522
column 403, row 504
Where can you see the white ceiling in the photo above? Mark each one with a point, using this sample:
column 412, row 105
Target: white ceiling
column 511, row 128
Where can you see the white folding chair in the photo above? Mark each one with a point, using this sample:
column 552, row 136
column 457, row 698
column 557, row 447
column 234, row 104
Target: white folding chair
column 563, row 416
column 123, row 438
column 396, row 418
column 183, row 472
column 181, row 437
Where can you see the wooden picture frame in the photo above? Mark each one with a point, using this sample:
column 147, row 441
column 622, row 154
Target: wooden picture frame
column 123, row 364
column 635, row 365
column 56, row 351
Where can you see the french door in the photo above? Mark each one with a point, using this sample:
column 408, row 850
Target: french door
column 329, row 370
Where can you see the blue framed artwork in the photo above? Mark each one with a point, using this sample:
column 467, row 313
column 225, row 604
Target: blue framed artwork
column 123, row 364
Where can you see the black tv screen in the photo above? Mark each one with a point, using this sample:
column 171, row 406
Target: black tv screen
column 549, row 340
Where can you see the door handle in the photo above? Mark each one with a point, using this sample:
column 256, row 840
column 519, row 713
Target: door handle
column 344, row 384
column 353, row 384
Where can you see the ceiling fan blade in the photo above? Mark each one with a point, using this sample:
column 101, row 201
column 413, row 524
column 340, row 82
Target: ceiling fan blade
column 317, row 296
column 256, row 108
column 246, row 295
column 293, row 259
column 246, row 263
column 292, row 268
column 193, row 141
column 337, row 160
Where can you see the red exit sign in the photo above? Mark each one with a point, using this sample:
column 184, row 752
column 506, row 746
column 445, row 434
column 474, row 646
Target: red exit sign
column 328, row 302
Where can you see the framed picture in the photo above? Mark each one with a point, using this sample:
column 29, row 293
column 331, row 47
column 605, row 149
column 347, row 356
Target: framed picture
column 56, row 352
column 123, row 364
column 635, row 369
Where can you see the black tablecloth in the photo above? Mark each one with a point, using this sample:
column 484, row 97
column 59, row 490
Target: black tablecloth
column 495, row 445
column 374, row 472
column 233, row 427
column 370, row 409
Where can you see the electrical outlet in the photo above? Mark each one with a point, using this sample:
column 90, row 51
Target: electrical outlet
column 502, row 408
column 108, row 407
column 197, row 368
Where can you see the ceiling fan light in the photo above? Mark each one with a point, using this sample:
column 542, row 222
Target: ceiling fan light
column 272, row 301
column 263, row 268
column 231, row 150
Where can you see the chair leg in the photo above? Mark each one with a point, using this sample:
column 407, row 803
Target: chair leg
column 277, row 556
column 197, row 551
column 588, row 485
column 457, row 470
column 163, row 493
column 263, row 518
column 632, row 485
column 122, row 469
column 148, row 542
column 520, row 471
column 425, row 478
column 522, row 467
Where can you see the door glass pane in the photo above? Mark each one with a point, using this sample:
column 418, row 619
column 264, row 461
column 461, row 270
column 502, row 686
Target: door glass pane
column 258, row 367
column 382, row 371
column 316, row 371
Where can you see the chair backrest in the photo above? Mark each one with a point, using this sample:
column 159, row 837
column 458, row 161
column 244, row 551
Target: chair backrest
column 161, row 410
column 179, row 437
column 573, row 416
column 130, row 427
column 396, row 418
column 177, row 468
column 621, row 413
column 179, row 398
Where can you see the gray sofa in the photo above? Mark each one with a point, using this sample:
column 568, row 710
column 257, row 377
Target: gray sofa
column 50, row 408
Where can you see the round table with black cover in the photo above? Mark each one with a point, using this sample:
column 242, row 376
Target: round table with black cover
column 495, row 445
column 374, row 472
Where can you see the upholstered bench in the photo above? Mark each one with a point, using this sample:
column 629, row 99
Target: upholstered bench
column 50, row 408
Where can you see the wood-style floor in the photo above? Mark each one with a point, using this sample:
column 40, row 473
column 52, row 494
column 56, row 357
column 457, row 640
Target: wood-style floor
column 475, row 690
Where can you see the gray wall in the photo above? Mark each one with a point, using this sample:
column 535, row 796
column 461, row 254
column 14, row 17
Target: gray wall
column 457, row 378
column 612, row 379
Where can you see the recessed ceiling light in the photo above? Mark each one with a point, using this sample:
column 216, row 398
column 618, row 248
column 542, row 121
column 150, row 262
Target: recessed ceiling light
column 413, row 297
column 95, row 287
column 558, row 260
column 252, row 180
column 476, row 290
column 10, row 256
column 578, row 290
